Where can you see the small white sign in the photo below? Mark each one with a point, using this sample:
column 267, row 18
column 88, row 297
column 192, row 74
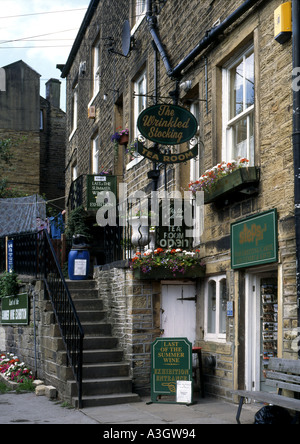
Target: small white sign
column 184, row 393
column 80, row 267
column 100, row 178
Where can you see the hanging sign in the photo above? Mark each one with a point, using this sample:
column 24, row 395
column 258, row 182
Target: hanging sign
column 158, row 157
column 167, row 124
column 98, row 184
column 171, row 362
column 173, row 232
column 254, row 241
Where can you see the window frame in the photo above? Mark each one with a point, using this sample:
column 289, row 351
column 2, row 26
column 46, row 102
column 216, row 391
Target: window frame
column 248, row 113
column 215, row 336
column 96, row 66
column 138, row 14
column 141, row 78
column 74, row 110
column 95, row 155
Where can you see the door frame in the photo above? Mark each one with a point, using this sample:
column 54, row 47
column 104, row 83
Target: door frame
column 179, row 284
column 253, row 324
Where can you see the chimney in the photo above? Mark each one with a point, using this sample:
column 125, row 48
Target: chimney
column 53, row 92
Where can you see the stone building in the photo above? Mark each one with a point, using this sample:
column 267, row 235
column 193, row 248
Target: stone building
column 36, row 128
column 219, row 60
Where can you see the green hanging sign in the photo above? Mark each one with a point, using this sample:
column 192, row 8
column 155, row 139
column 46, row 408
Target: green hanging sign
column 167, row 124
column 158, row 157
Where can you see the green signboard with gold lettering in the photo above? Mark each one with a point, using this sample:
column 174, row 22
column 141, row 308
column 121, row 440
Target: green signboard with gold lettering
column 171, row 361
column 167, row 124
column 254, row 241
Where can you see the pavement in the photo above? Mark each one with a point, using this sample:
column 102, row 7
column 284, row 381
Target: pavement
column 28, row 408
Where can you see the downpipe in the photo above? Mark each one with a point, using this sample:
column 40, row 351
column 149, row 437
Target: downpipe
column 209, row 38
column 296, row 146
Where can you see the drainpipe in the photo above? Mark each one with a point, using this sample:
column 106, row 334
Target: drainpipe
column 209, row 38
column 152, row 22
column 296, row 147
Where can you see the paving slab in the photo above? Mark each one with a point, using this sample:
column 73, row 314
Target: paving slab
column 31, row 409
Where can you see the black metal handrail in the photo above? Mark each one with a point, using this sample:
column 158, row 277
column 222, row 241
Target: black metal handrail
column 34, row 255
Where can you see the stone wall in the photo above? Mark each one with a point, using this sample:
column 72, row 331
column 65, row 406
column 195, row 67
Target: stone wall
column 42, row 350
column 24, row 173
column 130, row 309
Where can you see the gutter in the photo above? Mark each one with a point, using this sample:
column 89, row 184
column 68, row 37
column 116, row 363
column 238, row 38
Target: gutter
column 296, row 148
column 210, row 37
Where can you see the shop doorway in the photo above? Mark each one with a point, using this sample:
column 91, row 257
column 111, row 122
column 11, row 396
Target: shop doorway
column 178, row 311
column 261, row 324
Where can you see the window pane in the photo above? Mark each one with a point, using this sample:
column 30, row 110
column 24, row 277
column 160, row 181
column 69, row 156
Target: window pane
column 237, row 90
column 249, row 80
column 240, row 139
column 223, row 307
column 211, row 308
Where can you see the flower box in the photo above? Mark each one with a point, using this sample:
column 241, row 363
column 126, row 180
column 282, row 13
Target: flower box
column 242, row 180
column 162, row 273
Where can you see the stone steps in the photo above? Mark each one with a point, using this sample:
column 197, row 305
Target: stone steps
column 106, row 377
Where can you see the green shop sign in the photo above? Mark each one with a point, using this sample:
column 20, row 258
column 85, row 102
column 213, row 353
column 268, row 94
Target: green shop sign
column 98, row 184
column 15, row 310
column 171, row 362
column 158, row 157
column 254, row 241
column 167, row 124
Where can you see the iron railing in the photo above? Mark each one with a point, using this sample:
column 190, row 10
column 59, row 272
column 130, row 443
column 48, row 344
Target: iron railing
column 34, row 255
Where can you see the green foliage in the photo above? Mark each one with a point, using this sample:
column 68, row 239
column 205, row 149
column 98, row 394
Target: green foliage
column 77, row 223
column 9, row 284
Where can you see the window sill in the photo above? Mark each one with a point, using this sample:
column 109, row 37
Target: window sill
column 138, row 23
column 134, row 162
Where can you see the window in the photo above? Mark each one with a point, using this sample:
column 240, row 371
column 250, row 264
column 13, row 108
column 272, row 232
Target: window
column 96, row 68
column 95, row 155
column 140, row 103
column 138, row 13
column 195, row 163
column 238, row 108
column 74, row 171
column 216, row 299
column 74, row 110
column 41, row 120
column 140, row 100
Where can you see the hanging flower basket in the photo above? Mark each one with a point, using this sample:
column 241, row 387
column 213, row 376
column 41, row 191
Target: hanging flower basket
column 167, row 265
column 121, row 137
column 227, row 178
column 162, row 273
column 124, row 140
column 242, row 180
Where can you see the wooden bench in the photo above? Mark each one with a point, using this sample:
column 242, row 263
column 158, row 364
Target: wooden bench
column 282, row 374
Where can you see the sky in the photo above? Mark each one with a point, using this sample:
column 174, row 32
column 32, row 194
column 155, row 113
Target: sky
column 41, row 33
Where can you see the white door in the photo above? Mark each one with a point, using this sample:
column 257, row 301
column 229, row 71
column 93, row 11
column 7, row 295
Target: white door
column 178, row 314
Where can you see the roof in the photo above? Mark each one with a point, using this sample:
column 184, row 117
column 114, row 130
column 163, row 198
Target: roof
column 85, row 24
column 21, row 215
column 20, row 62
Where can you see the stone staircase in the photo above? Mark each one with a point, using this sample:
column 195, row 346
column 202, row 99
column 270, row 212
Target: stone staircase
column 106, row 379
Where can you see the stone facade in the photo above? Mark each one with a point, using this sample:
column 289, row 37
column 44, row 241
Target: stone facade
column 226, row 360
column 36, row 128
